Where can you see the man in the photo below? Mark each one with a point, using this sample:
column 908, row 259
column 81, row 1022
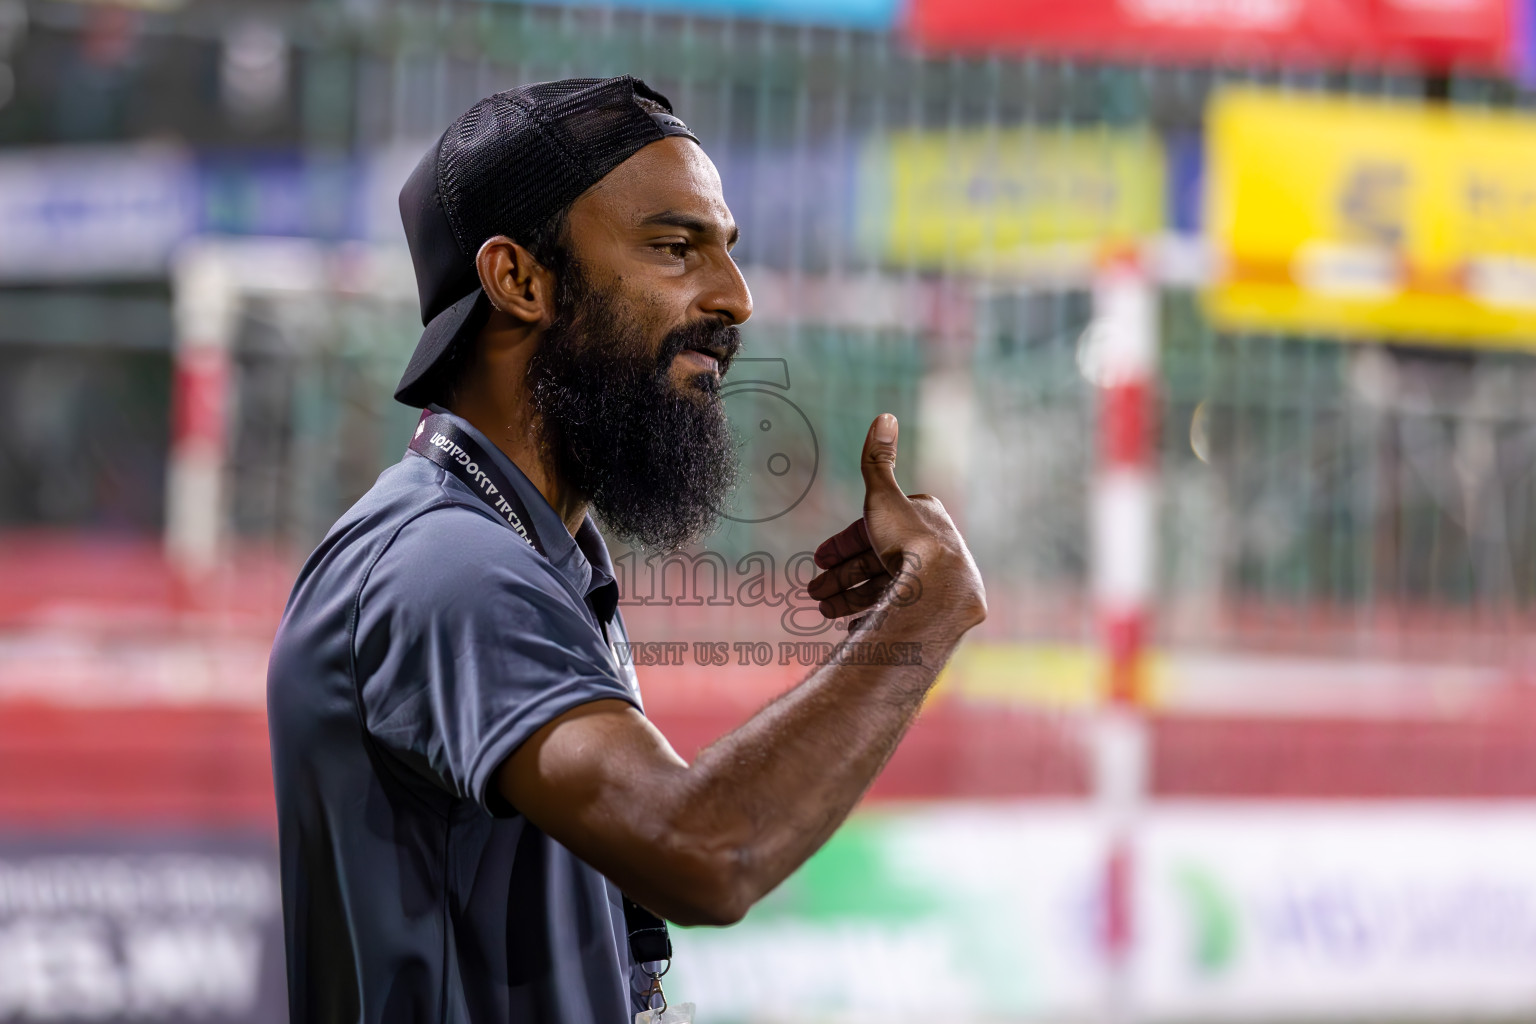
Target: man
column 466, row 783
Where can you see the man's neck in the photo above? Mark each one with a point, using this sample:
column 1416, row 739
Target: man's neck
column 513, row 432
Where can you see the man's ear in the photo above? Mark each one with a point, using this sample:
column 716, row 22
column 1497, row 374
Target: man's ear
column 516, row 283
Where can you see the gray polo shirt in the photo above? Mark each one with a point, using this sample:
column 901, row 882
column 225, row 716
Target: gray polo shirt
column 423, row 642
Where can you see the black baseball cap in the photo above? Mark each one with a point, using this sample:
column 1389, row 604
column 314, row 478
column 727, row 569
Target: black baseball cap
column 506, row 166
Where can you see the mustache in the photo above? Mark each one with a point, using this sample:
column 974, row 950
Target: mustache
column 719, row 339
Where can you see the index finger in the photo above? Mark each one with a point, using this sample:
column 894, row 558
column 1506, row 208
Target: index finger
column 842, row 546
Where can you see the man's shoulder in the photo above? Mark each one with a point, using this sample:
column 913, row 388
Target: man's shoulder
column 416, row 513
column 414, row 489
column 453, row 534
column 454, row 547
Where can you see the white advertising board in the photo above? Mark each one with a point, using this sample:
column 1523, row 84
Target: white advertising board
column 78, row 212
column 1351, row 910
column 990, row 911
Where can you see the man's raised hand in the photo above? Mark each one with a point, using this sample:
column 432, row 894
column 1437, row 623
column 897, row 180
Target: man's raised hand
column 905, row 541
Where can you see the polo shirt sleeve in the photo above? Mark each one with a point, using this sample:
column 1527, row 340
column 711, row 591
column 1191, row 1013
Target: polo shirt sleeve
column 468, row 642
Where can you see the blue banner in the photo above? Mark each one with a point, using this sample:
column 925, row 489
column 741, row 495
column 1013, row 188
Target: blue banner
column 280, row 192
column 867, row 14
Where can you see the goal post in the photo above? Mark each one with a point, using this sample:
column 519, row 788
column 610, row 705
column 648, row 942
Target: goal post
column 222, row 289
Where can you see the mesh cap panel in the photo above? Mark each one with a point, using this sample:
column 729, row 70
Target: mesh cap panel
column 518, row 157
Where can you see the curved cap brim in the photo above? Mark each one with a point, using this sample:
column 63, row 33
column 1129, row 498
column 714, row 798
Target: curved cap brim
column 458, row 324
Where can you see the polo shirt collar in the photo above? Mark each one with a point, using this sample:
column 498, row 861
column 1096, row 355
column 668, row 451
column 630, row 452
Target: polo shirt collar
column 583, row 560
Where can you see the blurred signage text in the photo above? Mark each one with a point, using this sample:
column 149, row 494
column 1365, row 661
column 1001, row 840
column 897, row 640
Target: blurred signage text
column 1285, row 911
column 142, row 929
column 82, row 212
column 1372, row 218
column 1003, row 200
column 117, row 212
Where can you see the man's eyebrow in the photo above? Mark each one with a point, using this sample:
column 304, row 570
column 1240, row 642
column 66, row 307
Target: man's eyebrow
column 688, row 222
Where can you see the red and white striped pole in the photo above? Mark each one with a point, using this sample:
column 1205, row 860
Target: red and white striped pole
column 1124, row 357
column 204, row 293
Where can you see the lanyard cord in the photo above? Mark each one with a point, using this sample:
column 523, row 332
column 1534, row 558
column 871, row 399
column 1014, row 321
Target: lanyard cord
column 442, row 442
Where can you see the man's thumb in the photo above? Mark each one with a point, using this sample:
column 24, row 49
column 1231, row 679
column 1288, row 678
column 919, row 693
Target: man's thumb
column 879, row 462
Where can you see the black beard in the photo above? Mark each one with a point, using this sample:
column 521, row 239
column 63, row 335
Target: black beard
column 655, row 460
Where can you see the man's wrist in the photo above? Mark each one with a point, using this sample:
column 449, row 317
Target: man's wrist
column 931, row 571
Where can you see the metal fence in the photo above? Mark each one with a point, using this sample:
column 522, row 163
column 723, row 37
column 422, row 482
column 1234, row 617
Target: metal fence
column 1352, row 497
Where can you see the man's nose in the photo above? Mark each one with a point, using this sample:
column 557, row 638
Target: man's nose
column 729, row 297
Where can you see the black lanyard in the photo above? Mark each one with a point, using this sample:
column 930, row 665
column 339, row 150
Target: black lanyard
column 444, row 443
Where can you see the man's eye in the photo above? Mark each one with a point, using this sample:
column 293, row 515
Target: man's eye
column 676, row 249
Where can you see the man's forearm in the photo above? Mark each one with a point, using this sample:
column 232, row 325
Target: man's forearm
column 701, row 843
column 776, row 788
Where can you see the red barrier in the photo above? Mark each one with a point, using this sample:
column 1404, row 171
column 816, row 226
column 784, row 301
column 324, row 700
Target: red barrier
column 1352, row 33
column 167, row 767
column 152, row 767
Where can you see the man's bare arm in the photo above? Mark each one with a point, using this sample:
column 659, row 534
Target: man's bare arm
column 700, row 844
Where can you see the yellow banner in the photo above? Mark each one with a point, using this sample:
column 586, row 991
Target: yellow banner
column 1372, row 219
column 1000, row 200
